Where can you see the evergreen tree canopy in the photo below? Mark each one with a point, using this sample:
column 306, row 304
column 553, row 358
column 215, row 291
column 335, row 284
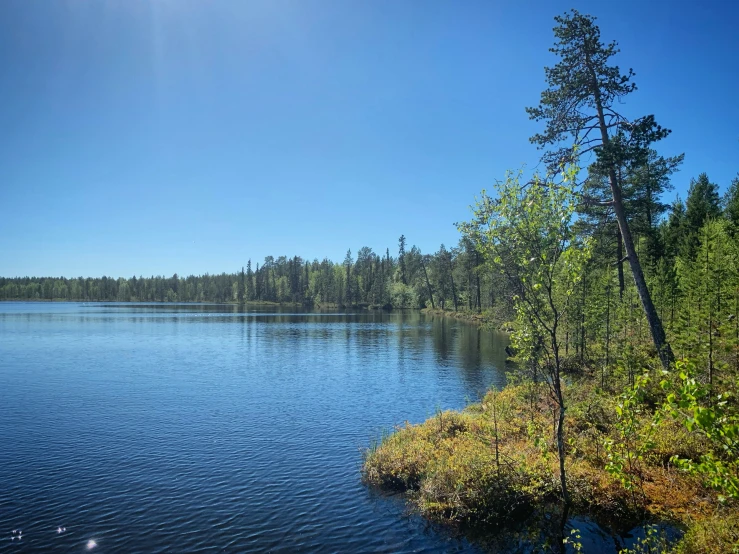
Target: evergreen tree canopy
column 702, row 204
column 731, row 204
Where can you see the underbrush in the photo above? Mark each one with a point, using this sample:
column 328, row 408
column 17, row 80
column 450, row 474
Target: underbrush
column 494, row 465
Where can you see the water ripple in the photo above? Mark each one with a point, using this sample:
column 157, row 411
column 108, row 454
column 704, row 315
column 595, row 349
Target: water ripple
column 150, row 429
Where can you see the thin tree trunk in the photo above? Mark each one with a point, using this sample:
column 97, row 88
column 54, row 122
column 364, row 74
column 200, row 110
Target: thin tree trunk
column 567, row 327
column 561, row 448
column 533, row 387
column 469, row 284
column 477, row 276
column 582, row 326
column 736, row 329
column 608, row 334
column 495, row 424
column 428, row 285
column 451, row 277
column 710, row 328
column 620, row 261
column 710, row 354
column 557, row 384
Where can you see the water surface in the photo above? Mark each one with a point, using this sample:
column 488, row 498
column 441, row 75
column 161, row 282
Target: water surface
column 191, row 428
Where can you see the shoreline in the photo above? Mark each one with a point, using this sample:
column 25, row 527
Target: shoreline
column 473, row 318
column 81, row 300
column 493, row 466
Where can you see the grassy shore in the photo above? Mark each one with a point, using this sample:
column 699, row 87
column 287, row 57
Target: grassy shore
column 494, row 466
column 470, row 317
column 486, row 319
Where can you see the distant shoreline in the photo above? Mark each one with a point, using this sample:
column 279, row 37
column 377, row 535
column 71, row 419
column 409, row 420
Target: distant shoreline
column 470, row 317
column 68, row 300
column 324, row 306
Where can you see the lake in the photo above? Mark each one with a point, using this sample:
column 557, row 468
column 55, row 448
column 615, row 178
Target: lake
column 192, row 428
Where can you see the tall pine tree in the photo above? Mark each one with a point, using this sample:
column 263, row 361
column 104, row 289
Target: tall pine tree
column 579, row 105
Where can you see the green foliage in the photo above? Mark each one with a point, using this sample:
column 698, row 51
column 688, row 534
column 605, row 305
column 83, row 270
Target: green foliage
column 566, row 105
column 717, row 534
column 627, row 451
column 716, row 418
column 495, row 464
column 455, row 470
column 655, row 541
column 702, row 205
column 645, row 183
column 708, row 286
column 401, row 260
column 574, row 540
column 731, row 205
column 402, row 296
column 367, row 281
column 527, row 234
column 673, row 230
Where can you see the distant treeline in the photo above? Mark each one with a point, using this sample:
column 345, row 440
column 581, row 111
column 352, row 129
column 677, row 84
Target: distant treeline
column 449, row 277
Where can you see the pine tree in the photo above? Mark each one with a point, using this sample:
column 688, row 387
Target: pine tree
column 672, row 231
column 644, row 186
column 401, row 260
column 579, row 104
column 249, row 282
column 731, row 205
column 242, row 286
column 702, row 204
column 708, row 284
column 349, row 289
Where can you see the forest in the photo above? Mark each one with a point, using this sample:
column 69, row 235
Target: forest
column 450, row 277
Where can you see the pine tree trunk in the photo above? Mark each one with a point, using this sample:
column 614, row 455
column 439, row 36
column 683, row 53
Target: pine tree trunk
column 477, row 276
column 620, row 262
column 582, row 325
column 428, row 285
column 469, row 284
column 561, row 448
column 608, row 333
column 710, row 326
column 736, row 329
column 655, row 324
column 451, row 277
column 495, row 423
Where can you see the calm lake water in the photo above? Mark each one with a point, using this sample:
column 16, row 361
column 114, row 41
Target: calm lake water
column 194, row 428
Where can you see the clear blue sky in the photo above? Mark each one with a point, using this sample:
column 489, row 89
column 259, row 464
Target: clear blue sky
column 188, row 136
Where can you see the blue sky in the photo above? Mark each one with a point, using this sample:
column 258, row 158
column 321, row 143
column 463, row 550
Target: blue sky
column 182, row 136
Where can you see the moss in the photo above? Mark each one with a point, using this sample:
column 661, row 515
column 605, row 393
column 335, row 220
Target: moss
column 449, row 464
column 717, row 534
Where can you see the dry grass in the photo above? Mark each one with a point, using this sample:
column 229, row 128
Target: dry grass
column 448, row 464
